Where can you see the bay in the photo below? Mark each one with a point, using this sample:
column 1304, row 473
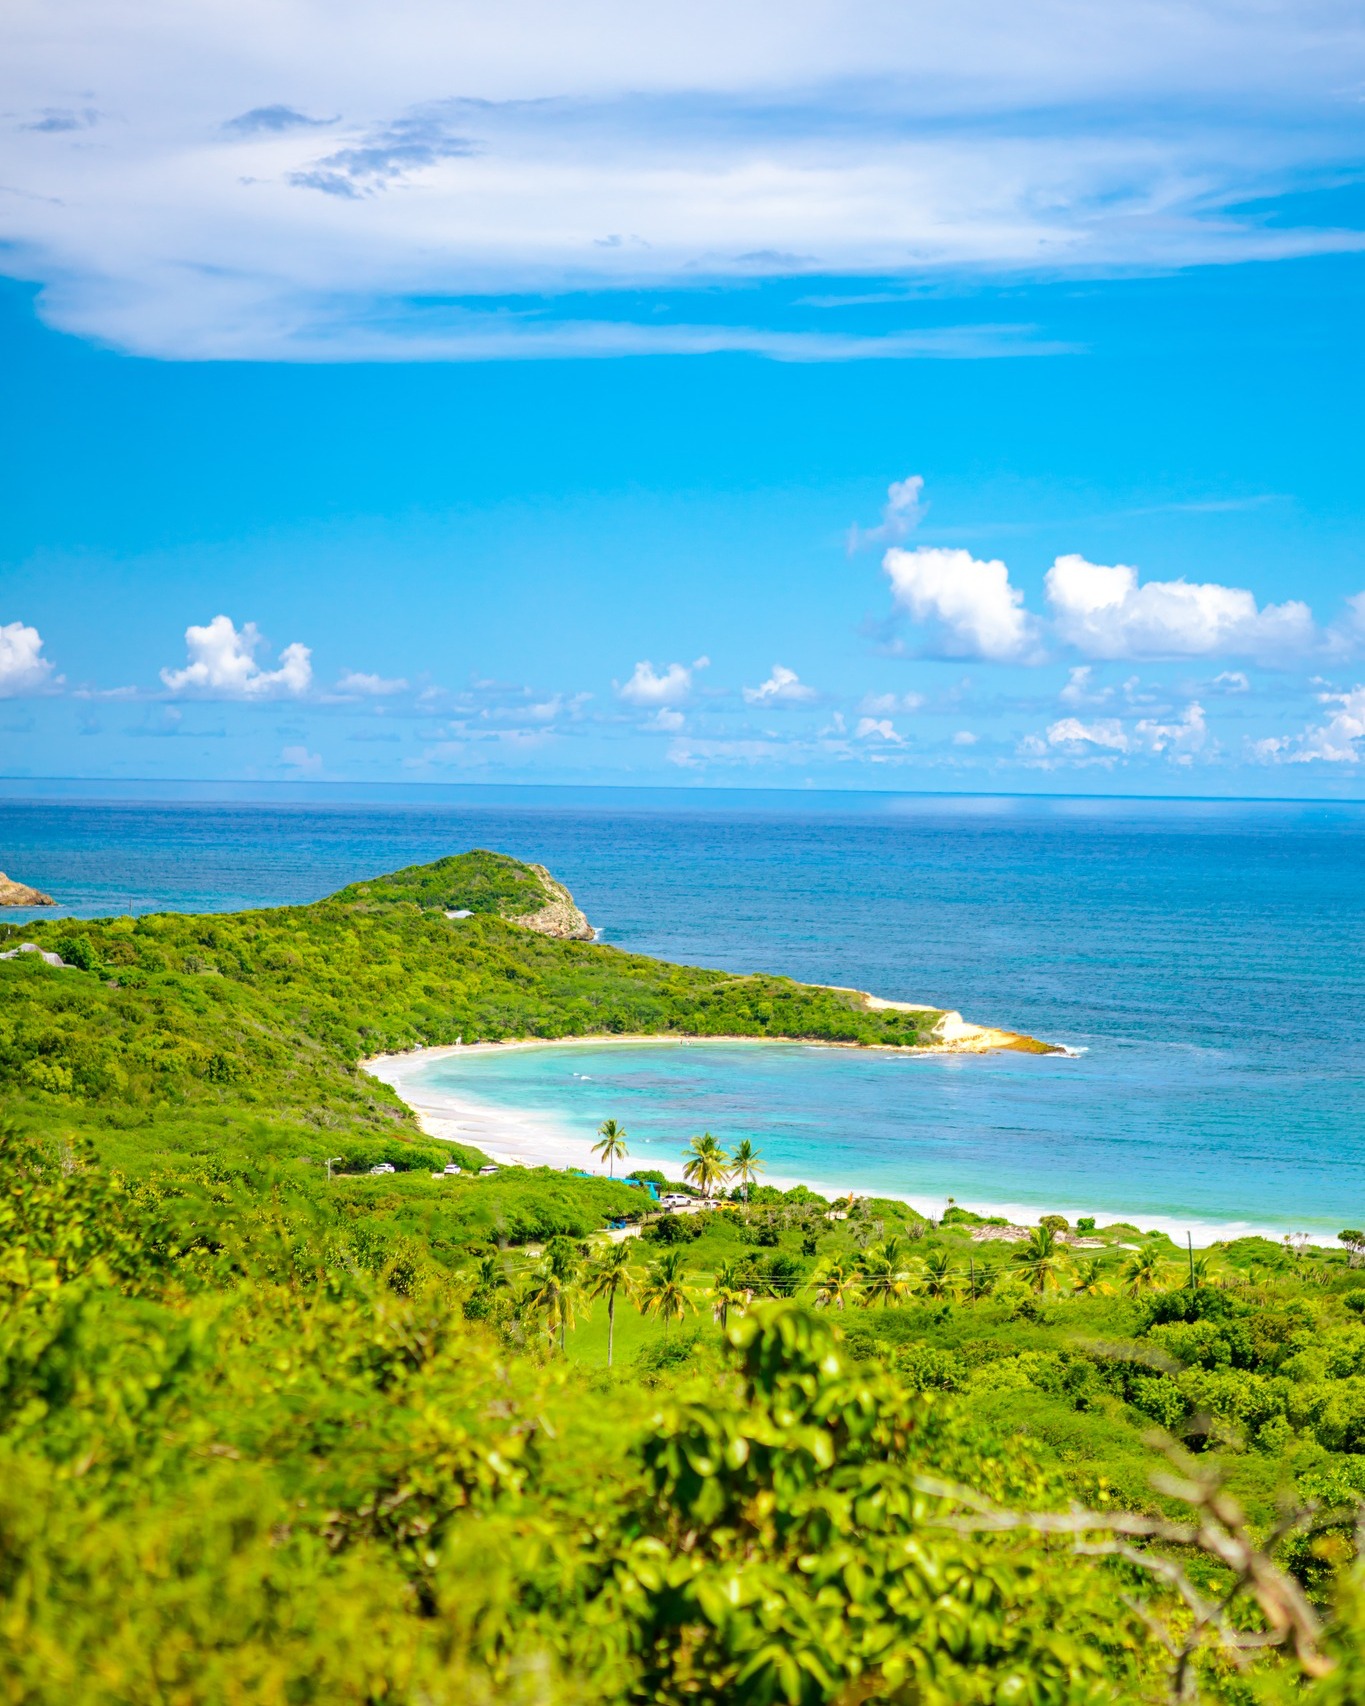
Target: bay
column 1207, row 957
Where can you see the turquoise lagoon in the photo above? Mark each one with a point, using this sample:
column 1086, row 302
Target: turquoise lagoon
column 1124, row 1131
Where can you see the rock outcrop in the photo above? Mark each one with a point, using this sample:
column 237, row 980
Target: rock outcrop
column 43, row 954
column 559, row 916
column 20, row 894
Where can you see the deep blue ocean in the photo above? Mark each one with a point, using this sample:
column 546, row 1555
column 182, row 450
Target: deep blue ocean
column 1209, row 958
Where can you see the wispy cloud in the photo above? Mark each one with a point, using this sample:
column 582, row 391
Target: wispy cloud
column 620, row 150
column 273, row 121
column 356, row 683
column 901, row 514
column 783, row 687
column 385, row 156
column 55, row 121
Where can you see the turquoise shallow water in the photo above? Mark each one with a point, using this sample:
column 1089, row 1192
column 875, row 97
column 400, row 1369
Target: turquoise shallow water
column 1209, row 957
column 1147, row 1133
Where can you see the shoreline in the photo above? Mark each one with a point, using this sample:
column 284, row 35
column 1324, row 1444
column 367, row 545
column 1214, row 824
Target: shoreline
column 518, row 1137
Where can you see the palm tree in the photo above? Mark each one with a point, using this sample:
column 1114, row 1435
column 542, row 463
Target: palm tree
column 1090, row 1280
column 939, row 1275
column 981, row 1278
column 746, row 1166
column 554, row 1290
column 612, row 1148
column 708, row 1164
column 1042, row 1259
column 1145, row 1270
column 728, row 1291
column 610, row 1277
column 836, row 1283
column 665, row 1291
column 883, row 1274
column 492, row 1274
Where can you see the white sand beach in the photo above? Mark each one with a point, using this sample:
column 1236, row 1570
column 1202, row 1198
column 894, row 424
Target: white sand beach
column 516, row 1137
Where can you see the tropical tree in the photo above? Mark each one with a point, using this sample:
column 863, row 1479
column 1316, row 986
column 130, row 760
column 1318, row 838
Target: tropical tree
column 938, row 1275
column 665, row 1292
column 553, row 1291
column 883, row 1274
column 609, row 1276
column 981, row 1279
column 1145, row 1270
column 1354, row 1241
column 491, row 1274
column 1090, row 1280
column 612, row 1148
column 728, row 1291
column 708, row 1164
column 746, row 1166
column 1042, row 1259
column 836, row 1283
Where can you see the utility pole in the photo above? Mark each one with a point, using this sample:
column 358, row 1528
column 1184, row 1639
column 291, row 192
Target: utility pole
column 333, row 1161
column 1189, row 1242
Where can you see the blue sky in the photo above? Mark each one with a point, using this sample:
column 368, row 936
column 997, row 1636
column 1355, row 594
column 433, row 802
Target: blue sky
column 864, row 395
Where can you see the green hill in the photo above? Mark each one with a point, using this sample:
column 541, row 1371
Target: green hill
column 278, row 1429
column 170, row 1024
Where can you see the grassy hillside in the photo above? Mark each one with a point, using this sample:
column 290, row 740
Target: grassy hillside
column 477, row 881
column 211, row 1023
column 270, row 1435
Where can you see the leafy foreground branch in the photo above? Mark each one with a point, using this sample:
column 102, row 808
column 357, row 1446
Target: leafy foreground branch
column 1220, row 1532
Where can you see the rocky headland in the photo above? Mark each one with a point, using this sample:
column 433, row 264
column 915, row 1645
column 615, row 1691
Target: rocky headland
column 560, row 915
column 20, row 894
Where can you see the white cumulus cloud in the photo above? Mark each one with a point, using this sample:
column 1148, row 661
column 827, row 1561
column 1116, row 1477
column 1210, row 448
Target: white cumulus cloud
column 877, row 728
column 783, row 687
column 1107, row 732
column 222, row 661
column 1180, row 739
column 1103, row 611
column 1337, row 741
column 972, row 604
column 23, row 668
column 648, row 686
